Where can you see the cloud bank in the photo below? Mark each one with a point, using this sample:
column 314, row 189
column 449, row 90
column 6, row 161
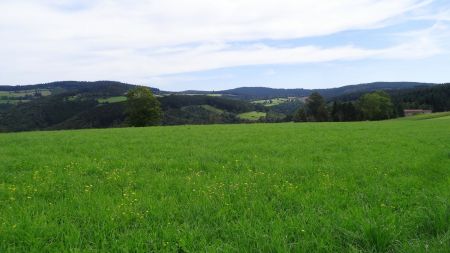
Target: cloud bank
column 133, row 40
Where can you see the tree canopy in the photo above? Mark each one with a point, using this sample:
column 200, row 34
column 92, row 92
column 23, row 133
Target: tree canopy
column 315, row 109
column 376, row 106
column 143, row 109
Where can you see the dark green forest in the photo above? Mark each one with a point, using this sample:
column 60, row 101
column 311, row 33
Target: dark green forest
column 249, row 93
column 435, row 98
column 77, row 105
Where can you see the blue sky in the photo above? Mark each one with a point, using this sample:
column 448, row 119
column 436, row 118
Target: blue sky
column 213, row 45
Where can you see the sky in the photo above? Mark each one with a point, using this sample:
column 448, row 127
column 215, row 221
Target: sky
column 213, row 45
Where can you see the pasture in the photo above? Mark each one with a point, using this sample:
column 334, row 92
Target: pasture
column 313, row 187
column 272, row 102
column 23, row 96
column 24, row 93
column 252, row 116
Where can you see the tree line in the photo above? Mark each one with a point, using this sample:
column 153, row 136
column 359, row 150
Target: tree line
column 372, row 106
column 143, row 109
column 378, row 105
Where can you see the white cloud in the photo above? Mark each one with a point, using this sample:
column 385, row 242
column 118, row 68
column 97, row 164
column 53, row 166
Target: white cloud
column 131, row 40
column 174, row 22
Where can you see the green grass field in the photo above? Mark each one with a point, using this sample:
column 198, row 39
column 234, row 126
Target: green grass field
column 23, row 93
column 439, row 115
column 13, row 101
column 16, row 97
column 252, row 116
column 212, row 109
column 271, row 102
column 313, row 187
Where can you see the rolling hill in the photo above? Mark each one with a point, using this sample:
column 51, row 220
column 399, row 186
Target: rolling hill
column 253, row 93
column 76, row 105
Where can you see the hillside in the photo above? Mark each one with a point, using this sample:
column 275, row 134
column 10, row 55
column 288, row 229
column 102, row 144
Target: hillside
column 44, row 106
column 77, row 105
column 370, row 87
column 29, row 92
column 14, row 95
column 253, row 93
column 435, row 98
column 250, row 188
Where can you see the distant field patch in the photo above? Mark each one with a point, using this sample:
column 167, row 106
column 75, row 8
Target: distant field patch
column 275, row 101
column 13, row 101
column 212, row 109
column 444, row 117
column 24, row 93
column 112, row 100
column 252, row 115
column 16, row 97
column 427, row 116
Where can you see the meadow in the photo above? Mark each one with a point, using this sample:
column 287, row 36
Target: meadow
column 312, row 187
column 16, row 97
column 272, row 102
column 252, row 116
column 23, row 93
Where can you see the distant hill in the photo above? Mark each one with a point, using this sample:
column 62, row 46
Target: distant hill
column 75, row 105
column 107, row 87
column 370, row 87
column 11, row 96
column 265, row 93
column 435, row 98
column 253, row 93
column 64, row 86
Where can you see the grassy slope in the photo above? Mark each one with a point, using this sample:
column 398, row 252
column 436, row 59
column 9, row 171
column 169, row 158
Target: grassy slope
column 439, row 115
column 252, row 115
column 275, row 101
column 331, row 187
column 7, row 97
column 212, row 109
column 13, row 101
column 43, row 92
